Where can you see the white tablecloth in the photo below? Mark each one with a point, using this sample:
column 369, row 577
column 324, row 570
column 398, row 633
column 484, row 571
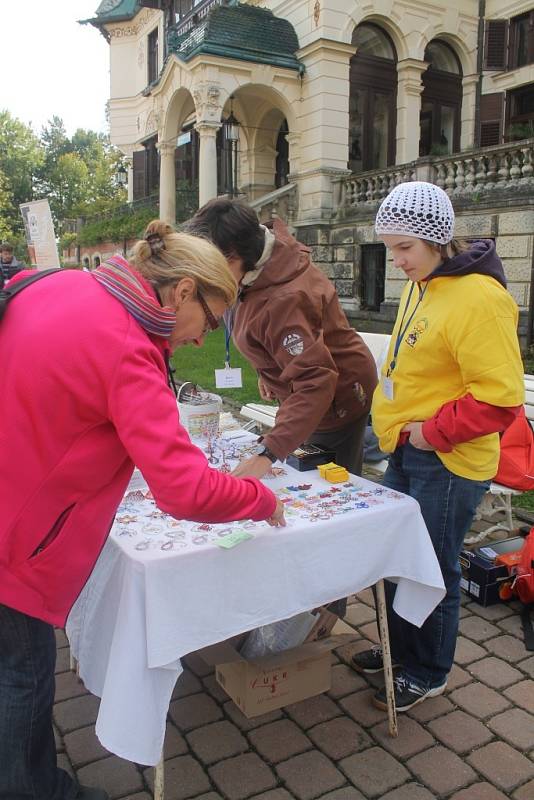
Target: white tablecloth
column 143, row 609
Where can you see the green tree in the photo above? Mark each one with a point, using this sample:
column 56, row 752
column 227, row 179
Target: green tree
column 21, row 157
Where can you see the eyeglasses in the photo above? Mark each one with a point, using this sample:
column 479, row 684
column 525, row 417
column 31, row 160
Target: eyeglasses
column 212, row 323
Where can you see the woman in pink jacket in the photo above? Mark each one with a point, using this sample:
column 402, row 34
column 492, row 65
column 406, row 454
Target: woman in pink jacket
column 83, row 397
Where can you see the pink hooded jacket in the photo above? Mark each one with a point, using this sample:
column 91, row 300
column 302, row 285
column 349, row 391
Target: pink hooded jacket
column 84, row 397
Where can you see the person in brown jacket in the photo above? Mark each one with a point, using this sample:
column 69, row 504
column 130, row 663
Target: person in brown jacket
column 288, row 323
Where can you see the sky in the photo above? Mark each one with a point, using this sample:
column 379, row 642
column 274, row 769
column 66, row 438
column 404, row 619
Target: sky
column 52, row 65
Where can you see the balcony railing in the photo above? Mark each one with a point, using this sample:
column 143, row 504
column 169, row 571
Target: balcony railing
column 196, row 15
column 474, row 176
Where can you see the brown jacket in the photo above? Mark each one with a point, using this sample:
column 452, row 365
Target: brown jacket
column 290, row 326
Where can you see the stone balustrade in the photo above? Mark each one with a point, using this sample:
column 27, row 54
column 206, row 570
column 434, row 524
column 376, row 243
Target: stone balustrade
column 280, row 203
column 486, row 176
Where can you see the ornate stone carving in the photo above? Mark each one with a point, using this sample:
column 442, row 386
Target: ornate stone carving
column 123, row 31
column 141, row 55
column 207, row 102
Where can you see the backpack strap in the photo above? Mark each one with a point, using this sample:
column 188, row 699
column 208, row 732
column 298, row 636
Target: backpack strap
column 526, row 622
column 8, row 294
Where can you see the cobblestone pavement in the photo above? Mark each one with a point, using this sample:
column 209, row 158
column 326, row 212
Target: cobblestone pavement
column 476, row 742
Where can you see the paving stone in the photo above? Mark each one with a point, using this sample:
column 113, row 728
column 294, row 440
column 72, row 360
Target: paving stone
column 64, row 763
column 359, row 706
column 457, row 677
column 522, row 694
column 512, row 625
column 242, row 776
column 244, row 724
column 412, row 737
column 460, row 732
column 186, row 684
column 214, row 689
column 463, row 613
column 274, row 794
column 374, row 772
column 479, row 700
column 495, row 672
column 502, row 765
column 507, row 647
column 360, row 614
column 346, row 793
column 370, row 631
column 410, row 791
column 492, row 613
column 61, row 638
column 440, row 770
column 58, row 740
column 196, row 664
column 194, row 711
column 431, row 708
column 366, row 596
column 142, row 796
column 313, row 711
column 115, row 775
column 310, row 775
column 175, row 744
column 516, row 727
column 68, row 685
column 339, row 738
column 467, row 651
column 184, row 778
column 83, row 746
column 212, row 743
column 525, row 792
column 62, row 661
column 479, row 791
column 279, row 740
column 478, row 629
column 346, row 652
column 76, row 713
column 345, row 681
column 527, row 666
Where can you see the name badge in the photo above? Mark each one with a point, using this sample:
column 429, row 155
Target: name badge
column 388, row 387
column 228, row 378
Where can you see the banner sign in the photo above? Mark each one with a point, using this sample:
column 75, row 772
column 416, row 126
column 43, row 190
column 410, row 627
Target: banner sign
column 40, row 236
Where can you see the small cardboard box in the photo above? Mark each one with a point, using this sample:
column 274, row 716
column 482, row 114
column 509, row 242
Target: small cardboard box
column 481, row 578
column 265, row 684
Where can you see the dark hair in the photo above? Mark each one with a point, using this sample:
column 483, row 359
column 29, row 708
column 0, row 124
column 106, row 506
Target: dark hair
column 6, row 246
column 453, row 248
column 231, row 225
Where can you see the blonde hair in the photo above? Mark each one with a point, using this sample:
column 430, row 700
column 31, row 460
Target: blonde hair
column 184, row 256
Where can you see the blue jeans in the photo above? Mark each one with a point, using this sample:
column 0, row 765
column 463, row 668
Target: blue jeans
column 28, row 766
column 448, row 504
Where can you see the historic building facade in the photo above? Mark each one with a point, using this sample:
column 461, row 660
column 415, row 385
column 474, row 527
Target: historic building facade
column 314, row 109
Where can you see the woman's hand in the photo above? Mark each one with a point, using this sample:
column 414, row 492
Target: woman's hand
column 265, row 393
column 415, row 431
column 255, row 467
column 277, row 520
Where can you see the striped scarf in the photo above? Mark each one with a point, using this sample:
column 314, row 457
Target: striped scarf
column 117, row 277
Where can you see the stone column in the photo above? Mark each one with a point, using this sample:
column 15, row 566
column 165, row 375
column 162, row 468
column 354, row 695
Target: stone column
column 207, row 161
column 130, row 180
column 167, row 183
column 409, row 90
column 467, row 135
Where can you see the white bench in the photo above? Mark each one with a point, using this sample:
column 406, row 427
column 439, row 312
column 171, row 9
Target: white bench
column 499, row 497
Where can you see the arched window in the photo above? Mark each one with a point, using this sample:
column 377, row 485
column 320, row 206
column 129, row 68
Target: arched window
column 373, row 99
column 282, row 156
column 96, row 261
column 441, row 101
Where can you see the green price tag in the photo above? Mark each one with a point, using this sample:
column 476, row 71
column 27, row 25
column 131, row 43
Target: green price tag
column 233, row 538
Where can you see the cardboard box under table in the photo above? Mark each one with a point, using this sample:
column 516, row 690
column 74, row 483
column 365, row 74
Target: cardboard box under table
column 265, row 684
column 482, row 576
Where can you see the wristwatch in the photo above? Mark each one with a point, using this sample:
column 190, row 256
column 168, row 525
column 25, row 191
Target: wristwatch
column 270, row 455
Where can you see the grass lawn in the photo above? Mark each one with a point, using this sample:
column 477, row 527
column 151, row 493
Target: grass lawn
column 198, row 364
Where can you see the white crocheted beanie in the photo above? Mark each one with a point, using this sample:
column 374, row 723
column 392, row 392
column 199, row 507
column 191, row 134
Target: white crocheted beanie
column 418, row 209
